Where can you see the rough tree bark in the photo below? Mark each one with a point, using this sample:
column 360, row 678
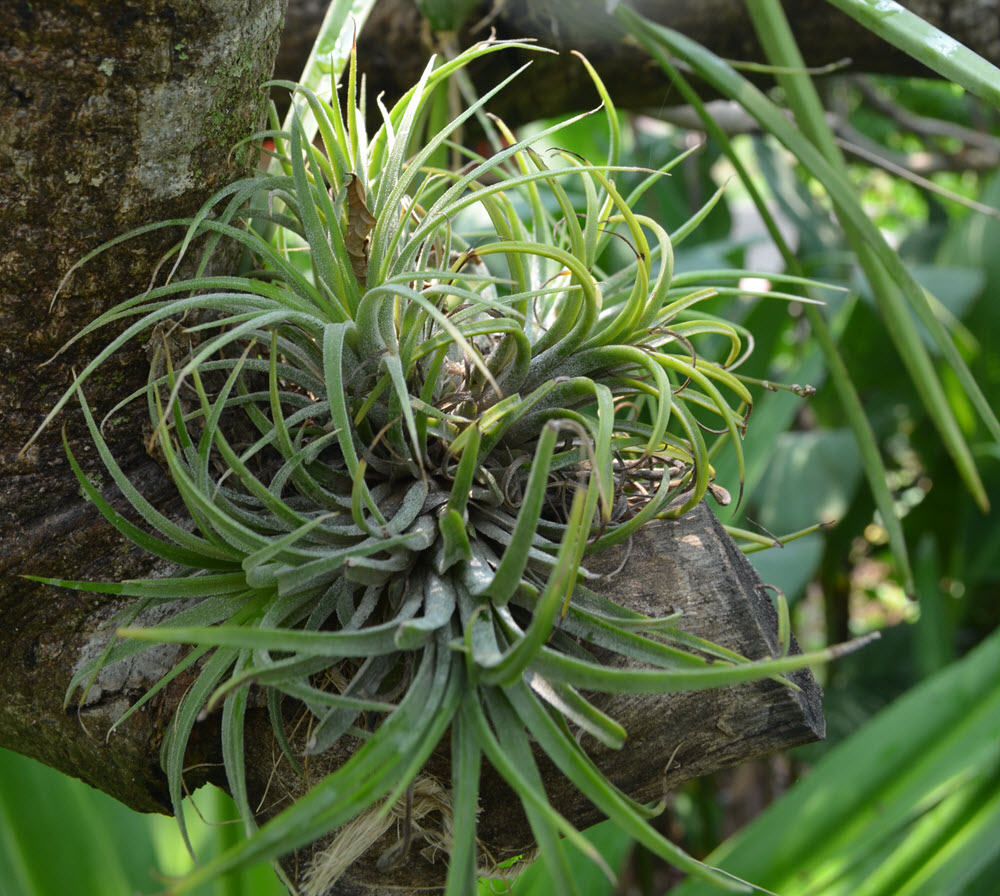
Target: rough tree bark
column 123, row 114
column 112, row 116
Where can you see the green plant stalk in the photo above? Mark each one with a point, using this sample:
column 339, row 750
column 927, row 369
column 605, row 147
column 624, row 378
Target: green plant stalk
column 778, row 42
column 851, row 403
column 935, row 49
column 867, row 237
column 871, row 458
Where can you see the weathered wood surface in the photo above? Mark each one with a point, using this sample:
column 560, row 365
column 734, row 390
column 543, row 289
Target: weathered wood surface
column 691, row 565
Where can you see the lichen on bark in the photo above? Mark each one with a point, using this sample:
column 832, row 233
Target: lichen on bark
column 112, row 116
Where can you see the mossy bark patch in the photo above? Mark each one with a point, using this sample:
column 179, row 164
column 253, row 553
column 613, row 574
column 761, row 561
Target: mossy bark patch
column 112, row 116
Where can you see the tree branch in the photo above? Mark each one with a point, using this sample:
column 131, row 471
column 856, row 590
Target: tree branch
column 395, row 44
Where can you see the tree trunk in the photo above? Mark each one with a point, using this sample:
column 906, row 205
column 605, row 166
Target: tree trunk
column 113, row 116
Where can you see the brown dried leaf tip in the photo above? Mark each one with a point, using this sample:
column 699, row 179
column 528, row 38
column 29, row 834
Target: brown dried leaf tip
column 360, row 222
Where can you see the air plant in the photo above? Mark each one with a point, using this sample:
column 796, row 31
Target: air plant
column 398, row 436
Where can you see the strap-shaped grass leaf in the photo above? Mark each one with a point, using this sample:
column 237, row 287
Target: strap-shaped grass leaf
column 935, row 49
column 233, row 753
column 385, row 239
column 573, row 763
column 466, row 758
column 202, row 507
column 595, row 677
column 149, row 543
column 515, row 557
column 938, row 752
column 326, row 567
column 376, row 639
column 897, row 292
column 291, row 674
column 579, row 711
column 174, row 747
column 511, row 665
column 331, row 52
column 610, row 635
column 206, row 554
column 337, row 721
column 691, row 224
column 509, row 752
column 439, row 607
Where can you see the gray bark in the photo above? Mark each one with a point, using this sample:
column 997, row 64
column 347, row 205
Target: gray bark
column 112, row 116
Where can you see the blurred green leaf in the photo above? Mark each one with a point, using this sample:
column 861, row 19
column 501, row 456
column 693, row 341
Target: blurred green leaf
column 610, row 841
column 100, row 848
column 953, row 288
column 446, row 15
column 823, row 465
column 910, row 804
column 60, row 837
column 792, row 566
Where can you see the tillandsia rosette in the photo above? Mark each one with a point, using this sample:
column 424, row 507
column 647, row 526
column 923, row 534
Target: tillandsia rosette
column 398, row 435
